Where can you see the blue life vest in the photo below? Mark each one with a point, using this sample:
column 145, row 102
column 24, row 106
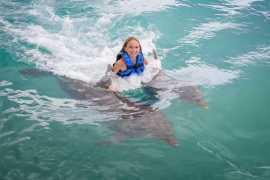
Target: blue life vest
column 137, row 68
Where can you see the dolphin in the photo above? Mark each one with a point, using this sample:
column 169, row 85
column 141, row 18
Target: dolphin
column 134, row 119
column 131, row 119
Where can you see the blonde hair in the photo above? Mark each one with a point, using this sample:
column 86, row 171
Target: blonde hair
column 128, row 40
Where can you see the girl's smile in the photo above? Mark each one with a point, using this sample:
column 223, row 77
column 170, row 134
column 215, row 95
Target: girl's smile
column 133, row 48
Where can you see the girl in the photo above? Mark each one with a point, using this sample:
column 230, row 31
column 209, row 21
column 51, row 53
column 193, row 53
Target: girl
column 130, row 60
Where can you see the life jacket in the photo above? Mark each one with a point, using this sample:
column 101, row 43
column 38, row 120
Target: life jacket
column 137, row 68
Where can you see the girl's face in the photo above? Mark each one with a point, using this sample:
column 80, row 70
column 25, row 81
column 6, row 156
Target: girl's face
column 132, row 48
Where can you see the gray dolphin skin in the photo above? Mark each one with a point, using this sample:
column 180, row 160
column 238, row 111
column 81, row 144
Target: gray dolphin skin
column 131, row 119
column 134, row 119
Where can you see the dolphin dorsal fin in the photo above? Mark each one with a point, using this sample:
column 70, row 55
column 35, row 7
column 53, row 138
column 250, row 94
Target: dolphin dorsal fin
column 155, row 54
column 109, row 68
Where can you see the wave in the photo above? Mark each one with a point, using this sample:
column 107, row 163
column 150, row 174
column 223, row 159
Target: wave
column 260, row 54
column 207, row 31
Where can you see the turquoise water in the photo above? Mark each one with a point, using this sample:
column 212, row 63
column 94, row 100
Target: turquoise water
column 221, row 46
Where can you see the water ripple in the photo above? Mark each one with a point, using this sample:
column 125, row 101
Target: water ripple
column 260, row 54
column 5, row 83
column 232, row 7
column 203, row 74
column 207, row 31
column 44, row 109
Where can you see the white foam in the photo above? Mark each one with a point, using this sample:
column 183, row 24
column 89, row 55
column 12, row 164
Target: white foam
column 78, row 48
column 135, row 81
column 233, row 7
column 226, row 11
column 260, row 54
column 46, row 109
column 207, row 31
column 81, row 48
column 203, row 74
column 241, row 4
column 266, row 14
column 137, row 7
column 5, row 83
column 165, row 99
column 71, row 57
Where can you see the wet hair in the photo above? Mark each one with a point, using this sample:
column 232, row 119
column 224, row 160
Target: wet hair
column 128, row 40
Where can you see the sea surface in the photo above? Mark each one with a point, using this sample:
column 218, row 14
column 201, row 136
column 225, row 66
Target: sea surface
column 221, row 46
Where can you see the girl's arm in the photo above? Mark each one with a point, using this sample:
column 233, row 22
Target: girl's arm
column 145, row 62
column 118, row 66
